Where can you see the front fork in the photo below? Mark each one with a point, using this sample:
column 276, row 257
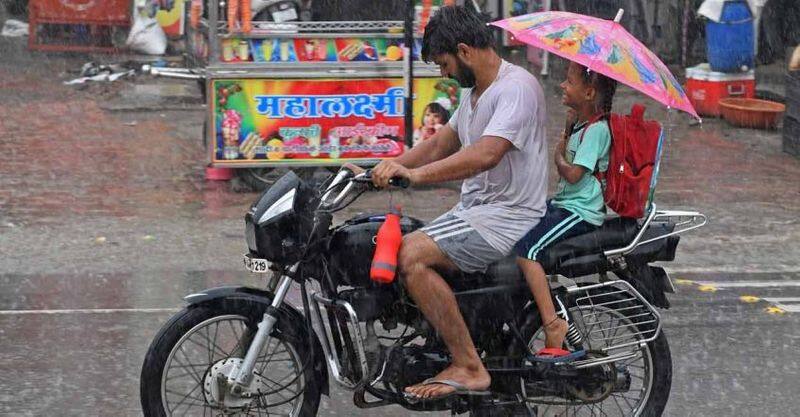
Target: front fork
column 237, row 381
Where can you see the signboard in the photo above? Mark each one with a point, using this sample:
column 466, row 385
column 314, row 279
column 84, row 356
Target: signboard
column 321, row 121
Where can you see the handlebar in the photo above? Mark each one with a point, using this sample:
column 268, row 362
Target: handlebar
column 366, row 177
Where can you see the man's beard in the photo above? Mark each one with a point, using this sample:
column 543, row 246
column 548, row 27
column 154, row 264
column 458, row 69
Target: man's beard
column 464, row 74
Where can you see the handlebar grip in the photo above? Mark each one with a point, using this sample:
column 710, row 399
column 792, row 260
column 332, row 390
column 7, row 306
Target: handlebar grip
column 399, row 182
column 394, row 182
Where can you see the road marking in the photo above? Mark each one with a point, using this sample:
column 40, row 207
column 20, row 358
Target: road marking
column 89, row 311
column 761, row 269
column 707, row 288
column 790, row 304
column 749, row 284
column 749, row 299
column 775, row 310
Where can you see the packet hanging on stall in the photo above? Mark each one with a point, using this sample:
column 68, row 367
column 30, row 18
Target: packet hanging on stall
column 283, row 51
column 257, row 50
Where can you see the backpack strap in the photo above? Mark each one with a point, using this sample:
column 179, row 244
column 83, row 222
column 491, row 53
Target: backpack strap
column 601, row 176
column 592, row 121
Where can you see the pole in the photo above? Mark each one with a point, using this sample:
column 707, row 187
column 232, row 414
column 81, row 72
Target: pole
column 408, row 69
column 548, row 4
column 685, row 32
column 213, row 17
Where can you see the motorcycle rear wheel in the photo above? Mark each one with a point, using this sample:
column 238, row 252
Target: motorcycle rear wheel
column 163, row 386
column 656, row 378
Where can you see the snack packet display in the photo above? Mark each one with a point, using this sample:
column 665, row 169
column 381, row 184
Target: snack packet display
column 231, row 126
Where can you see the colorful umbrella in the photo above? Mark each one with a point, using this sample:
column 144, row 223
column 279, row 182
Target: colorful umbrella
column 603, row 46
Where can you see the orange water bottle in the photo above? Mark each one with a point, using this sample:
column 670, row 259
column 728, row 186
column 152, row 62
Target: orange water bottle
column 387, row 245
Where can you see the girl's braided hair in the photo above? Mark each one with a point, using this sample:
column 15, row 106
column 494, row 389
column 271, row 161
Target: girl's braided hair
column 605, row 87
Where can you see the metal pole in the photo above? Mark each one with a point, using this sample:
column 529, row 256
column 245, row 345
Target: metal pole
column 685, row 32
column 409, row 74
column 548, row 4
column 213, row 26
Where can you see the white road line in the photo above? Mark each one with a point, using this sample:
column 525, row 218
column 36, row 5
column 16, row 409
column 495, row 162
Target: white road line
column 781, row 302
column 749, row 284
column 753, row 269
column 89, row 311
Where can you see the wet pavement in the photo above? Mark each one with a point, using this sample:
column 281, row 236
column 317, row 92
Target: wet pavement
column 106, row 223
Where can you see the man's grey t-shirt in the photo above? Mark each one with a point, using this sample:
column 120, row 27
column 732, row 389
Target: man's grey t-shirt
column 505, row 202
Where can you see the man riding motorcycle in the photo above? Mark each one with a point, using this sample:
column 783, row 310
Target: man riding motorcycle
column 495, row 142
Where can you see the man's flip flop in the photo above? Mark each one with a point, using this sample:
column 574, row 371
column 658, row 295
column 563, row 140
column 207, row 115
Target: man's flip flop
column 459, row 389
column 556, row 355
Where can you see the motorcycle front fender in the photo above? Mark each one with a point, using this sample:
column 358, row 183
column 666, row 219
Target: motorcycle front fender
column 286, row 312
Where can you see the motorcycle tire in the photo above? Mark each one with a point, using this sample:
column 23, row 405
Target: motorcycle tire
column 259, row 179
column 17, row 7
column 658, row 349
column 185, row 320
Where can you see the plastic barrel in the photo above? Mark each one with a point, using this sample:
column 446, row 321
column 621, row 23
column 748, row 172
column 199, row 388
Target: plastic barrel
column 730, row 41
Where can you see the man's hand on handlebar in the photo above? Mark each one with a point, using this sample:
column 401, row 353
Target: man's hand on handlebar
column 355, row 169
column 388, row 169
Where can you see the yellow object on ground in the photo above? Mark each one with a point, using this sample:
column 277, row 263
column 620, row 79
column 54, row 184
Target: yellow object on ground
column 749, row 299
column 707, row 288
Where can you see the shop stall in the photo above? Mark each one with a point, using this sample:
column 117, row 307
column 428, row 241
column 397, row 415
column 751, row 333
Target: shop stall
column 315, row 93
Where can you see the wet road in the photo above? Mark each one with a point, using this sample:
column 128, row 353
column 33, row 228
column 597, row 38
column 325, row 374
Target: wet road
column 106, row 223
column 73, row 345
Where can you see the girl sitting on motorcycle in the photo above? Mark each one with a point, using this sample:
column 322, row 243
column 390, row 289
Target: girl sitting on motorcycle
column 578, row 205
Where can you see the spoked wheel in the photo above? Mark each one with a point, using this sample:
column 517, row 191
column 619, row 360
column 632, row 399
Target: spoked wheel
column 637, row 385
column 187, row 367
column 260, row 178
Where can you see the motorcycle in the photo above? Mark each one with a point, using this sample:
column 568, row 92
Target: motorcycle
column 247, row 351
column 279, row 11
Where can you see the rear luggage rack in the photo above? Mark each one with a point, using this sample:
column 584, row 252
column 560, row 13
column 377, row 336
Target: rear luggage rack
column 684, row 222
column 613, row 315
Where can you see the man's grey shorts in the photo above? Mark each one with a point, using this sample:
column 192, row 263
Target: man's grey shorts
column 462, row 244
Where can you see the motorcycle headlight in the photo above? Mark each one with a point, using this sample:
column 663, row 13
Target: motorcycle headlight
column 282, row 206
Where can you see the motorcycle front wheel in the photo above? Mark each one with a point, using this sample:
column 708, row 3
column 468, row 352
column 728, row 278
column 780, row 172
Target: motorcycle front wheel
column 196, row 349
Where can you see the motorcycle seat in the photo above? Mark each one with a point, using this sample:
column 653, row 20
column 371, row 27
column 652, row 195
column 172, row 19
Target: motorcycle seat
column 614, row 233
column 582, row 251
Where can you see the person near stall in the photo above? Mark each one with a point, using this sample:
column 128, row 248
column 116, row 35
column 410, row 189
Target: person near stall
column 433, row 118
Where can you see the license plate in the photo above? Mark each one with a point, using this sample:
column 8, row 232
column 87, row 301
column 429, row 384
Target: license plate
column 256, row 265
column 284, row 15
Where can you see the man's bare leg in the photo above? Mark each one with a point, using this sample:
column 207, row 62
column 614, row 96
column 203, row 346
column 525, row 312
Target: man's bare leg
column 418, row 257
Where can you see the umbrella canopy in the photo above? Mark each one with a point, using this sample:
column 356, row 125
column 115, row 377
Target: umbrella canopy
column 603, row 46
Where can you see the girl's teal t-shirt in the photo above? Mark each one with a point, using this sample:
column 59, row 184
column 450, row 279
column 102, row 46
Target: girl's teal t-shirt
column 585, row 197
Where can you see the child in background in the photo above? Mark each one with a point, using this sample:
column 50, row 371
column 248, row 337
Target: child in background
column 578, row 206
column 433, row 118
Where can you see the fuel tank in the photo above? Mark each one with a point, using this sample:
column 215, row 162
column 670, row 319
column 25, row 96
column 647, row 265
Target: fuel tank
column 353, row 244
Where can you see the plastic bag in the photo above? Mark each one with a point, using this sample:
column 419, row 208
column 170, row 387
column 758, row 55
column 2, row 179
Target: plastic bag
column 147, row 36
column 14, row 29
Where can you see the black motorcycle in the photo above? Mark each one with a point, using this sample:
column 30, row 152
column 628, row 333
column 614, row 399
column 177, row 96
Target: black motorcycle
column 247, row 351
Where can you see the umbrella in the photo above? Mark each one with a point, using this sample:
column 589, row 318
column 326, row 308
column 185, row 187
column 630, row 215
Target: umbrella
column 603, row 46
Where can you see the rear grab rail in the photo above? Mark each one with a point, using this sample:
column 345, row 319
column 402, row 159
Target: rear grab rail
column 684, row 222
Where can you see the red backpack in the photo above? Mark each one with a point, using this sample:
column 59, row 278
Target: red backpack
column 631, row 161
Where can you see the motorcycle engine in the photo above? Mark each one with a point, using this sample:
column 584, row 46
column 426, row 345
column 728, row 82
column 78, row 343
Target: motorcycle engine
column 411, row 364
